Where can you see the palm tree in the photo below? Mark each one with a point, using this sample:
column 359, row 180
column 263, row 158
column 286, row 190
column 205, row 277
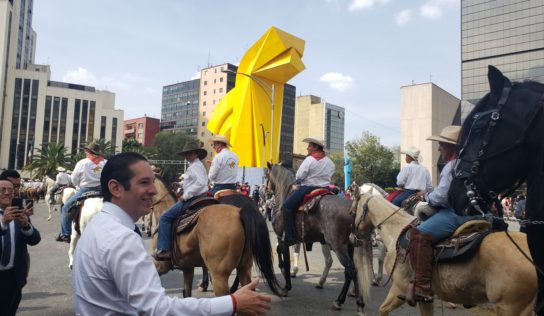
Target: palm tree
column 49, row 158
column 132, row 145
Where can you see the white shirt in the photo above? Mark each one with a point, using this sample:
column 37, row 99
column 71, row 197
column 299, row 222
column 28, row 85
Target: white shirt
column 224, row 168
column 113, row 274
column 314, row 172
column 439, row 196
column 195, row 181
column 86, row 174
column 11, row 236
column 414, row 176
column 63, row 178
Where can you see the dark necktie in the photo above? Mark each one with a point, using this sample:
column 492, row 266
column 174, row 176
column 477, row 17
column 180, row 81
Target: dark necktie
column 137, row 230
column 6, row 245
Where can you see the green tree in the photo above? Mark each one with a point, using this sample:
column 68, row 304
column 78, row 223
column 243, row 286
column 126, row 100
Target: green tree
column 166, row 145
column 371, row 161
column 338, row 175
column 49, row 157
column 132, row 145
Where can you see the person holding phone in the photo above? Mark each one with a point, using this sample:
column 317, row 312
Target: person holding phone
column 16, row 232
column 14, row 177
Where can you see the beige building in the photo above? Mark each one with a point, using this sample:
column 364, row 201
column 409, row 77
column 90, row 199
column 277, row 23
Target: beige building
column 425, row 110
column 317, row 118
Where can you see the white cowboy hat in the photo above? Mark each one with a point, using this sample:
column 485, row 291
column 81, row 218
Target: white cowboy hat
column 61, row 169
column 182, row 177
column 69, row 171
column 412, row 152
column 450, row 135
column 221, row 139
column 314, row 141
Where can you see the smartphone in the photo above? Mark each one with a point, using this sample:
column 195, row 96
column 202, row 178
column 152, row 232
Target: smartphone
column 17, row 202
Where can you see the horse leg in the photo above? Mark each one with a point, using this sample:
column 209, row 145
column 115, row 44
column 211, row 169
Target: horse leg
column 188, row 275
column 296, row 254
column 49, row 208
column 337, row 304
column 328, row 263
column 381, row 258
column 285, row 266
column 391, row 301
column 426, row 309
column 203, row 287
column 344, row 255
column 220, row 282
column 73, row 242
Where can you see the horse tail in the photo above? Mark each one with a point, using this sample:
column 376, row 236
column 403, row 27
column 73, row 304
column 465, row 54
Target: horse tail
column 362, row 259
column 256, row 233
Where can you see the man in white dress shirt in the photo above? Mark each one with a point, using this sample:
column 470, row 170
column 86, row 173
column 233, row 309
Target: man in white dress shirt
column 315, row 172
column 113, row 273
column 195, row 185
column 413, row 177
column 224, row 167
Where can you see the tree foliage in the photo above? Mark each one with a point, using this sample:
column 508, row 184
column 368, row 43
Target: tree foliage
column 371, row 161
column 166, row 146
column 338, row 175
column 49, row 157
column 132, row 145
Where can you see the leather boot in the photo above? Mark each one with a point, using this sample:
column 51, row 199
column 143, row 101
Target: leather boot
column 289, row 229
column 419, row 289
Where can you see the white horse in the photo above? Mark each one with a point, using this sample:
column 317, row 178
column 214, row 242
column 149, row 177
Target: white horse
column 58, row 199
column 88, row 210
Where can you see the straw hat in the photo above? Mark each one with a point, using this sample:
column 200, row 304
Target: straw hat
column 61, row 169
column 94, row 148
column 221, row 139
column 69, row 171
column 412, row 152
column 315, row 141
column 194, row 146
column 450, row 135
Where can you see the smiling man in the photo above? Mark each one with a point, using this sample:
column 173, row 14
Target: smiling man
column 113, row 273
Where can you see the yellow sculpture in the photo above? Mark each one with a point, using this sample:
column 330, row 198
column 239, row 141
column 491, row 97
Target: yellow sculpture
column 246, row 114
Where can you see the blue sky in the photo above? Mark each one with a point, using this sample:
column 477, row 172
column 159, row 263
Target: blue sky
column 358, row 52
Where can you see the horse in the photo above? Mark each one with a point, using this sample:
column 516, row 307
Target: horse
column 59, row 199
column 497, row 273
column 224, row 238
column 90, row 207
column 502, row 146
column 328, row 223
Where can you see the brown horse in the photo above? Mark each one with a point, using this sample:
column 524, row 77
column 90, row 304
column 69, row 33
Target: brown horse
column 224, row 238
column 497, row 273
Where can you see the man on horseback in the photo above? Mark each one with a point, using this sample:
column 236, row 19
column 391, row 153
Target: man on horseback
column 413, row 177
column 224, row 167
column 315, row 172
column 86, row 176
column 195, row 185
column 62, row 179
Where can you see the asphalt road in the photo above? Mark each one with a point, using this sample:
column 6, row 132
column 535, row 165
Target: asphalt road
column 49, row 291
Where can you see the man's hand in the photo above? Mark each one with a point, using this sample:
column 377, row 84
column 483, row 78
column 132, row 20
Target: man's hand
column 29, row 209
column 421, row 195
column 249, row 302
column 10, row 213
column 180, row 198
column 23, row 221
column 209, row 162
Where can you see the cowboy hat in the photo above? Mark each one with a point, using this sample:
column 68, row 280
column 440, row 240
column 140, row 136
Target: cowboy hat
column 182, row 177
column 194, row 146
column 61, row 169
column 412, row 152
column 69, row 171
column 221, row 139
column 94, row 148
column 315, row 141
column 450, row 135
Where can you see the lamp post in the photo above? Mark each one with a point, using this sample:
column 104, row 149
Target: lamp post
column 269, row 91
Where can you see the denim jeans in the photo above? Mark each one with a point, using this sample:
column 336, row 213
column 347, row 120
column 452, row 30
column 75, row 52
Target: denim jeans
column 222, row 186
column 444, row 223
column 65, row 223
column 295, row 199
column 164, row 240
column 403, row 196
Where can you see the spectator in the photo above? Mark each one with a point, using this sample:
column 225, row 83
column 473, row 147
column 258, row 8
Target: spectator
column 256, row 194
column 520, row 212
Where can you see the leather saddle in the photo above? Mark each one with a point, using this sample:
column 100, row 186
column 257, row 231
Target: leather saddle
column 222, row 193
column 75, row 209
column 188, row 220
column 311, row 200
column 460, row 246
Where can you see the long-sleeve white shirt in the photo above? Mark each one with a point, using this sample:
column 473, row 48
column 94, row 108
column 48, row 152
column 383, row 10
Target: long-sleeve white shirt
column 224, row 168
column 314, row 172
column 113, row 274
column 439, row 196
column 414, row 176
column 195, row 181
column 86, row 174
column 62, row 178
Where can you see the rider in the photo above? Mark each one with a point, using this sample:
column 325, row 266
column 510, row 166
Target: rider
column 195, row 185
column 439, row 226
column 315, row 172
column 86, row 176
column 413, row 177
column 63, row 179
column 224, row 167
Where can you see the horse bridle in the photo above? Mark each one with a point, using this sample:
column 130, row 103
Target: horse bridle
column 156, row 230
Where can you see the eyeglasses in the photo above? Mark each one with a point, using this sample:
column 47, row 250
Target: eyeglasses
column 6, row 190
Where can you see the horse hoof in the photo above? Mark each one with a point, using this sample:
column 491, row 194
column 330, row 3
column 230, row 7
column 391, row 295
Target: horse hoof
column 336, row 306
column 293, row 274
column 375, row 283
column 451, row 305
column 284, row 293
column 49, row 218
column 319, row 286
column 352, row 293
column 202, row 289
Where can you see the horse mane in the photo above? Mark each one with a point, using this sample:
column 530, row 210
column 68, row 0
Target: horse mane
column 376, row 187
column 283, row 178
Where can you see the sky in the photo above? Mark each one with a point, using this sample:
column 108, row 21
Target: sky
column 358, row 53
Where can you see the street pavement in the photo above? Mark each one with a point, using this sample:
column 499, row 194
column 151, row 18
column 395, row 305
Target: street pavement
column 49, row 291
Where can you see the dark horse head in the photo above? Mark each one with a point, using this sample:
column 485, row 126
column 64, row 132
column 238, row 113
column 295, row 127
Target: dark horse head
column 501, row 144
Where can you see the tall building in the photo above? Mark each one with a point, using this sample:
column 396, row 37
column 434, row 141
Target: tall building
column 320, row 119
column 35, row 110
column 142, row 129
column 506, row 34
column 179, row 111
column 425, row 110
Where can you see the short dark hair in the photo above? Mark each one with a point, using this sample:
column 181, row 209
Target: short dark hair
column 10, row 173
column 118, row 168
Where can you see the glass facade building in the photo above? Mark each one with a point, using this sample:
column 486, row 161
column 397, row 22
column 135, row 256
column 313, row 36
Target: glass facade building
column 287, row 123
column 179, row 110
column 334, row 127
column 508, row 34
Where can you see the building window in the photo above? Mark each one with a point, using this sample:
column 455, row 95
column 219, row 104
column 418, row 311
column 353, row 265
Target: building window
column 221, row 79
column 214, row 80
column 202, row 134
column 114, row 134
column 75, row 128
column 204, row 123
column 203, row 103
column 205, row 92
column 220, row 90
column 205, row 82
column 140, row 125
column 213, row 91
column 204, row 113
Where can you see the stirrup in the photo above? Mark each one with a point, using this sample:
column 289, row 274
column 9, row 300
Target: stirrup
column 418, row 298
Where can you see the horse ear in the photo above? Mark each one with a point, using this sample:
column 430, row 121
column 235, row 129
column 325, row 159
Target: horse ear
column 355, row 189
column 496, row 80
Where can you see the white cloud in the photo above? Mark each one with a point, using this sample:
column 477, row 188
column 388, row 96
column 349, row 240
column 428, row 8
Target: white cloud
column 112, row 82
column 80, row 75
column 337, row 81
column 404, row 17
column 433, row 9
column 364, row 4
column 196, row 76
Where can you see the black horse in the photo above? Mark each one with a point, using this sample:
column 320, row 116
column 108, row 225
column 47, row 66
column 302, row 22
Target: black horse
column 502, row 145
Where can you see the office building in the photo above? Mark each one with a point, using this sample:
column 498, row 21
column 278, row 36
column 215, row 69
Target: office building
column 179, row 111
column 142, row 129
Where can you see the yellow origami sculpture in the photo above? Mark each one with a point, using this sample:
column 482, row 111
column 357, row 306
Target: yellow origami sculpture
column 246, row 115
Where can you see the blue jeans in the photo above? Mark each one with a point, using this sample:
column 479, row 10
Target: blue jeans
column 293, row 201
column 65, row 223
column 222, row 186
column 403, row 196
column 164, row 240
column 444, row 223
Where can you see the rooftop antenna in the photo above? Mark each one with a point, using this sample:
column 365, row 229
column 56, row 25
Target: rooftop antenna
column 430, row 78
column 413, row 82
column 209, row 53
